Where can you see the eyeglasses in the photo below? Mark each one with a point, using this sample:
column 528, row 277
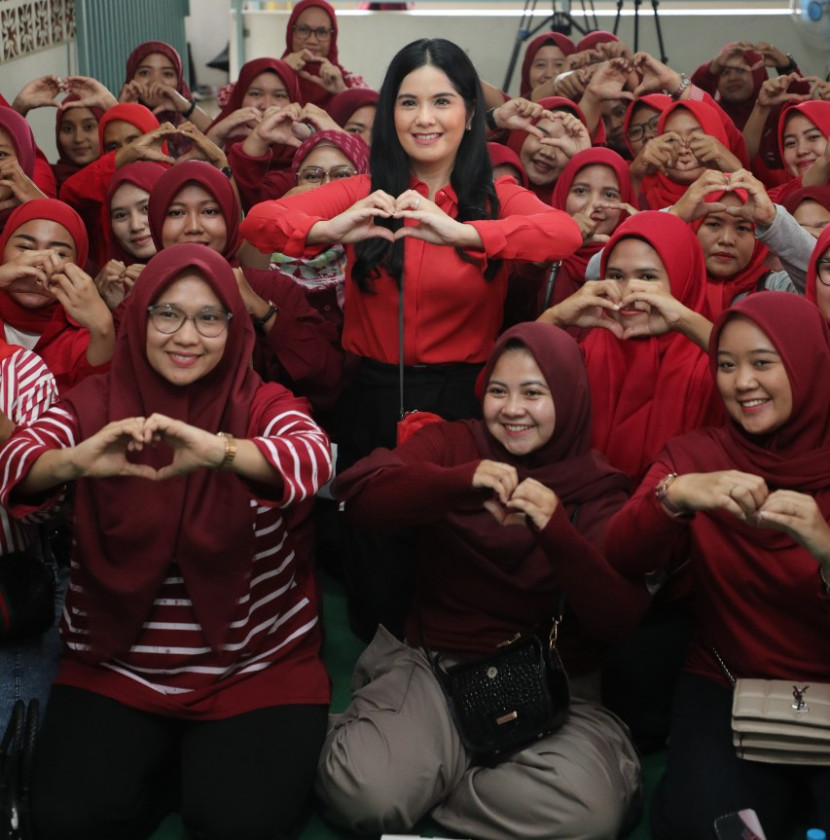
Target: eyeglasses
column 740, row 72
column 318, row 175
column 302, row 31
column 168, row 319
column 637, row 132
column 823, row 273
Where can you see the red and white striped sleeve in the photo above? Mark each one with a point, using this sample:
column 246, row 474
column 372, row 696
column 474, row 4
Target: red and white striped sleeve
column 293, row 444
column 27, row 387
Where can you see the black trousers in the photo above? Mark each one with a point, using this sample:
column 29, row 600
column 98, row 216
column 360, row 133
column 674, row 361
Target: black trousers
column 104, row 770
column 705, row 779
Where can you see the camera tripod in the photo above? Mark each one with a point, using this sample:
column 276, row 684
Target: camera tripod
column 558, row 21
column 636, row 44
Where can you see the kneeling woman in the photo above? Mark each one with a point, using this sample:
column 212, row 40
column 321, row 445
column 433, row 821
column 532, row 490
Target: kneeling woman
column 751, row 501
column 191, row 629
column 494, row 502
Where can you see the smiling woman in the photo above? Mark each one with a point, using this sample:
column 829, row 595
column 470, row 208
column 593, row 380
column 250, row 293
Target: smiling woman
column 750, row 501
column 427, row 229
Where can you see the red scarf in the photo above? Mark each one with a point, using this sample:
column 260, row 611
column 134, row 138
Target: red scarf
column 721, row 291
column 572, row 271
column 346, row 103
column 131, row 112
column 171, row 54
column 822, row 244
column 658, row 101
column 24, row 145
column 51, row 319
column 818, row 113
column 128, row 530
column 209, row 178
column 546, row 39
column 648, row 390
column 658, row 189
column 145, row 175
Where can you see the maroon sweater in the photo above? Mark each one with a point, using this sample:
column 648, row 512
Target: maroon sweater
column 471, row 593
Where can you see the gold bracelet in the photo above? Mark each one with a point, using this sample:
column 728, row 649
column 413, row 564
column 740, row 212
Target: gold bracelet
column 230, row 450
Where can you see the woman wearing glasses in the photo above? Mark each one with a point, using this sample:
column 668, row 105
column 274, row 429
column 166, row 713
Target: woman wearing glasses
column 191, row 633
column 311, row 52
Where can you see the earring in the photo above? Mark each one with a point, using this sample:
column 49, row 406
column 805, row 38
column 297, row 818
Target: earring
column 469, row 125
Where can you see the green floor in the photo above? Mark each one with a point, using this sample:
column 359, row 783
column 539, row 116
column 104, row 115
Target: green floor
column 340, row 651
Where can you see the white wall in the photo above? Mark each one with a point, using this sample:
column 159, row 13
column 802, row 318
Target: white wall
column 208, row 33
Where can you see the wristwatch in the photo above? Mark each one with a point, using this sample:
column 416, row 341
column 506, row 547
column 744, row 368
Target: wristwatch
column 259, row 323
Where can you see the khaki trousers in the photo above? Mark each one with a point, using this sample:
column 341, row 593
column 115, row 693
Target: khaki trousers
column 394, row 757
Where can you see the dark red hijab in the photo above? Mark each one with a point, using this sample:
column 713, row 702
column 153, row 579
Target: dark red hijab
column 171, row 54
column 310, row 91
column 144, row 174
column 209, row 178
column 721, row 291
column 546, row 39
column 248, row 72
column 821, row 195
column 572, row 271
column 659, row 190
column 501, row 155
column 24, row 145
column 128, row 530
column 598, row 36
column 648, row 390
column 822, row 244
column 45, row 318
column 346, row 103
column 658, row 101
column 66, row 167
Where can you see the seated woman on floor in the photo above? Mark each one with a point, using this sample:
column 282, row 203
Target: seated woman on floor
column 509, row 511
column 749, row 501
column 191, row 629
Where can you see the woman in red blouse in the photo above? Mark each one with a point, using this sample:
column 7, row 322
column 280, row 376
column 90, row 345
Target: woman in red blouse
column 428, row 230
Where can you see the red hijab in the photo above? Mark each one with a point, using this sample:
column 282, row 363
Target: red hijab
column 310, row 91
column 209, row 178
column 822, row 244
column 24, row 145
column 598, row 36
column 720, row 291
column 127, row 531
column 658, row 101
column 648, row 390
column 572, row 271
column 659, row 190
column 501, row 155
column 818, row 113
column 516, row 138
column 346, row 103
column 66, row 167
column 131, row 112
column 144, row 174
column 11, row 312
column 546, row 39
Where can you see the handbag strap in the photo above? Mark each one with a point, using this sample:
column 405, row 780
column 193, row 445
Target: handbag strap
column 729, row 675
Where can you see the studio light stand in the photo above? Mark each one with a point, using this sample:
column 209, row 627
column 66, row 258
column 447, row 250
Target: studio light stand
column 636, row 44
column 558, row 21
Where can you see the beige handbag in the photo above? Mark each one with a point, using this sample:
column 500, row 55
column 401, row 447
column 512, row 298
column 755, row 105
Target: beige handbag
column 778, row 722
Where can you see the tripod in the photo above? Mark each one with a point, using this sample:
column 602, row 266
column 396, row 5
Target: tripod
column 636, row 45
column 560, row 21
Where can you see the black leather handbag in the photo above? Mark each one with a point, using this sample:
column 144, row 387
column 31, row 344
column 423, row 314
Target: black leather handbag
column 504, row 702
column 16, row 757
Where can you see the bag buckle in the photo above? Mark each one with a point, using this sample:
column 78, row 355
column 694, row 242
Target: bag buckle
column 800, row 704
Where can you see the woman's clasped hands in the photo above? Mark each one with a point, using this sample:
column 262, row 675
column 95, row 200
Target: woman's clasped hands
column 513, row 501
column 106, row 453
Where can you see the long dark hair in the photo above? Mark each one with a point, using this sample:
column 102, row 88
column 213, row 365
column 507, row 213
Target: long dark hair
column 472, row 174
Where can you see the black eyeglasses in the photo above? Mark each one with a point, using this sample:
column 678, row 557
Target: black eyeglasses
column 168, row 319
column 823, row 267
column 323, row 33
column 318, row 175
column 637, row 132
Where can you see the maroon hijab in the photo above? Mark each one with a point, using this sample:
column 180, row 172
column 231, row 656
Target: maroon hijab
column 546, row 39
column 24, row 145
column 822, row 244
column 501, row 155
column 170, row 53
column 310, row 91
column 127, row 530
column 209, row 178
column 144, row 174
column 346, row 103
